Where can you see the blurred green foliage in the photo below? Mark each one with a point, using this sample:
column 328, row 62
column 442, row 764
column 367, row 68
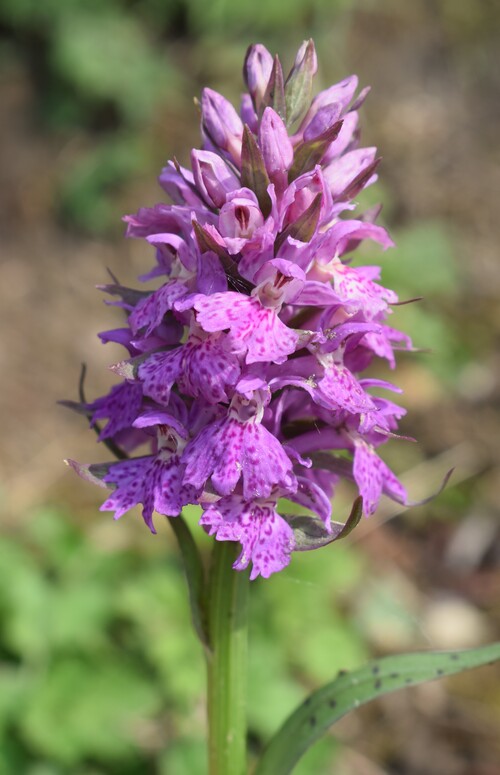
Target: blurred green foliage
column 100, row 671
column 103, row 69
column 423, row 266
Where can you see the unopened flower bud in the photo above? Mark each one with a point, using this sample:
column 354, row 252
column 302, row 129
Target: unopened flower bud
column 277, row 150
column 221, row 123
column 257, row 71
column 213, row 176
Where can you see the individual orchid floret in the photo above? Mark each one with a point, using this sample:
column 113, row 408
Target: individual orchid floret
column 155, row 481
column 239, row 446
column 253, row 321
column 213, row 177
column 239, row 218
column 203, row 367
column 266, row 539
column 245, row 357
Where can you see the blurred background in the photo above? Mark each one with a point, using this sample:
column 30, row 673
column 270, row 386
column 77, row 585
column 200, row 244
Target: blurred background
column 99, row 672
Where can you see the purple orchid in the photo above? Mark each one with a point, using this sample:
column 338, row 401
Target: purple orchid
column 244, row 365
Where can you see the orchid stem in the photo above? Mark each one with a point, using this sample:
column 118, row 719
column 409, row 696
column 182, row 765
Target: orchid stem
column 227, row 663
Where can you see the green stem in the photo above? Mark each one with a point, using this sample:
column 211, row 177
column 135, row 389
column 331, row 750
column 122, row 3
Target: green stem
column 227, row 663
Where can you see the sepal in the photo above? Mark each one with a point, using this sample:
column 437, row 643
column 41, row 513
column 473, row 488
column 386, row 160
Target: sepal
column 359, row 183
column 213, row 176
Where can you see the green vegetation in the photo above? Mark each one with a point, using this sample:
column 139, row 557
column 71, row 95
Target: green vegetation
column 101, row 672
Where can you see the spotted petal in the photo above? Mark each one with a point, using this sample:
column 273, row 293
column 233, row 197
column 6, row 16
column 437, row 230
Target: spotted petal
column 255, row 329
column 121, row 406
column 228, row 449
column 339, row 389
column 266, row 539
column 154, row 481
column 374, row 477
column 150, row 312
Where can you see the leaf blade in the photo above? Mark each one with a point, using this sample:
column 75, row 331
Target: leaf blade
column 350, row 690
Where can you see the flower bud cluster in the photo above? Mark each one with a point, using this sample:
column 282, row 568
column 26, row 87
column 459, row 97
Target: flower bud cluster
column 242, row 384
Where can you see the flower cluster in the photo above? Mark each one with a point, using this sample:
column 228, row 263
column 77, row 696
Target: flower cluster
column 243, row 367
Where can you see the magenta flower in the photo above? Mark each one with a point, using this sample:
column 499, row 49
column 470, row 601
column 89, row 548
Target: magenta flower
column 244, row 366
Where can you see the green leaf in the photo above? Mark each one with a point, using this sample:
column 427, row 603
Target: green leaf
column 350, row 690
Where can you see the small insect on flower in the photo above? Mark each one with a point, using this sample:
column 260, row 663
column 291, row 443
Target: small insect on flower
column 243, row 368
